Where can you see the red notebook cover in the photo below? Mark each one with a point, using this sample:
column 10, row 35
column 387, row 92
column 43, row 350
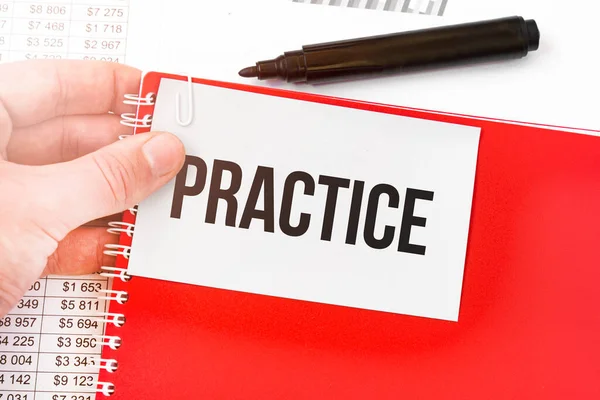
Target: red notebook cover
column 529, row 324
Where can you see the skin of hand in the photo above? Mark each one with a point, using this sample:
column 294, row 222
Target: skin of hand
column 62, row 165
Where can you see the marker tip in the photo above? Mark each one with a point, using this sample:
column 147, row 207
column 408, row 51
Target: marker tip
column 249, row 72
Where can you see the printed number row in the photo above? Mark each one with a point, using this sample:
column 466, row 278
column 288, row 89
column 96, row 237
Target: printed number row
column 49, row 362
column 67, row 306
column 63, row 28
column 60, row 44
column 49, row 343
column 12, row 395
column 22, row 55
column 66, row 288
column 51, row 324
column 63, row 11
column 47, row 381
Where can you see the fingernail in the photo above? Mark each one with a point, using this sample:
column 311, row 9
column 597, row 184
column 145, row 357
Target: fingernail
column 163, row 153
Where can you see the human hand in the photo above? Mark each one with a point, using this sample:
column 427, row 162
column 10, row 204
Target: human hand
column 62, row 165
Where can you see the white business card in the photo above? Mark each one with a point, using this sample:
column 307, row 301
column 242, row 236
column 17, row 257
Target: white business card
column 310, row 201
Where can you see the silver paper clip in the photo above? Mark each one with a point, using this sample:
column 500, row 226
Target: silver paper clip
column 190, row 105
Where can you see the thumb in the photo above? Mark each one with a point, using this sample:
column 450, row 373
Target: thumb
column 113, row 178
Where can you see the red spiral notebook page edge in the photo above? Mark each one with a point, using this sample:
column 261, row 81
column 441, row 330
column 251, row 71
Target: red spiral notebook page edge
column 478, row 255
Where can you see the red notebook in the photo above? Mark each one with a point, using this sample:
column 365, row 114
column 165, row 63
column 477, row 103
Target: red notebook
column 529, row 326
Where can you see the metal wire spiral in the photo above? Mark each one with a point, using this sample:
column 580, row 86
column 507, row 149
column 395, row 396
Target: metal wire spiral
column 117, row 228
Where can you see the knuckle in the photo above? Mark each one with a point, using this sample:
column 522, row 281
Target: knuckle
column 118, row 174
column 55, row 264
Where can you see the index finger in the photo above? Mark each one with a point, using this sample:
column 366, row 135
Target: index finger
column 37, row 90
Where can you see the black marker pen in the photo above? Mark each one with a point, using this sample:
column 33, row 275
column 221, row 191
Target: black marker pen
column 492, row 40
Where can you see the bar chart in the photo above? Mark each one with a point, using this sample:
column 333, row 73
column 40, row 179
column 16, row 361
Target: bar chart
column 425, row 7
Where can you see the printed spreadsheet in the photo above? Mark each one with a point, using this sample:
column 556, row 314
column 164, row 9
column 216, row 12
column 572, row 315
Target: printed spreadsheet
column 76, row 29
column 49, row 348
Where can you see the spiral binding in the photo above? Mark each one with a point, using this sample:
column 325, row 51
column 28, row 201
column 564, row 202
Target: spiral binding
column 117, row 228
column 134, row 121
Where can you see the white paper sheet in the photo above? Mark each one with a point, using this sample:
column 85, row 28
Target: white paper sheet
column 252, row 130
column 555, row 85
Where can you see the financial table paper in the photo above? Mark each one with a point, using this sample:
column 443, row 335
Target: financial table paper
column 48, row 344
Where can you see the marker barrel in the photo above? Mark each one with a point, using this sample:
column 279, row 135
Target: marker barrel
column 493, row 40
